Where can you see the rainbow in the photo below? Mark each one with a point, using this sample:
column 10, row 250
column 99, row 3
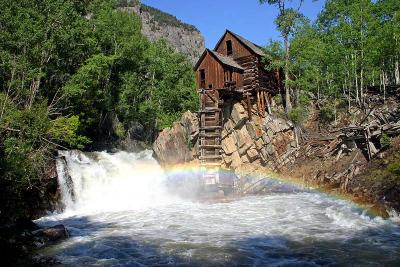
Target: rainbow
column 193, row 170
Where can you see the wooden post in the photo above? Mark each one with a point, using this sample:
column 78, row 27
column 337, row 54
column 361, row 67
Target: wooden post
column 263, row 103
column 248, row 105
column 258, row 103
column 268, row 103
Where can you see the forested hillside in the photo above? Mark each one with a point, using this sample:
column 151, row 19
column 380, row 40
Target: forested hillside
column 72, row 74
column 353, row 46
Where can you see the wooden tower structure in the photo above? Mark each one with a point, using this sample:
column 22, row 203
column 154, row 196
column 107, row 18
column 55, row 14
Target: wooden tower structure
column 234, row 68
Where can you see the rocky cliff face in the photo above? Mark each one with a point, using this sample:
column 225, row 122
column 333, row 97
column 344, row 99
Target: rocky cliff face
column 178, row 144
column 268, row 142
column 158, row 25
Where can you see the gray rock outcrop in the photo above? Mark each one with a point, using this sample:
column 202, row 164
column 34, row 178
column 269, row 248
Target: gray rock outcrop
column 185, row 38
column 178, row 144
column 268, row 142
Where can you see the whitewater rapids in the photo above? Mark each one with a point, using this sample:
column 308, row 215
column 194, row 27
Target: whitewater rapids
column 119, row 213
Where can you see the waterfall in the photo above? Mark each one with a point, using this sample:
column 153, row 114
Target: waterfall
column 100, row 181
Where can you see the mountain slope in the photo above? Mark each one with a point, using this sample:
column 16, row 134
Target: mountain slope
column 157, row 25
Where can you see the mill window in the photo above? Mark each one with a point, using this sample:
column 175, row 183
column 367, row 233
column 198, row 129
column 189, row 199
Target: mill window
column 202, row 78
column 229, row 49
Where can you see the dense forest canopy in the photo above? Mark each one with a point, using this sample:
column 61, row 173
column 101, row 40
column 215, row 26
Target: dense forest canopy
column 353, row 45
column 74, row 72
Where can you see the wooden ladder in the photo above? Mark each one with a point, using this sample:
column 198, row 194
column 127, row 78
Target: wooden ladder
column 210, row 115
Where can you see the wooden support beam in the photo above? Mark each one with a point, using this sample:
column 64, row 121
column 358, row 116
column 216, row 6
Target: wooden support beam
column 210, row 157
column 210, row 146
column 248, row 106
column 204, row 127
column 258, row 103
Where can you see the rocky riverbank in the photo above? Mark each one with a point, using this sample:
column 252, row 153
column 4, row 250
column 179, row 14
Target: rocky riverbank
column 269, row 141
column 319, row 159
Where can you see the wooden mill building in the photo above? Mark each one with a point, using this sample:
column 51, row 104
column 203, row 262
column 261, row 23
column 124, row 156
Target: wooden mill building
column 235, row 68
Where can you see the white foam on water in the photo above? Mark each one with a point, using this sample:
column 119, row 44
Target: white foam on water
column 121, row 215
column 104, row 182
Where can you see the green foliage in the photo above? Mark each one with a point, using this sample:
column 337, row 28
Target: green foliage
column 297, row 115
column 388, row 173
column 120, row 130
column 28, row 137
column 64, row 130
column 304, row 100
column 274, row 56
column 278, row 99
column 165, row 19
column 327, row 113
column 385, row 141
column 347, row 48
column 68, row 71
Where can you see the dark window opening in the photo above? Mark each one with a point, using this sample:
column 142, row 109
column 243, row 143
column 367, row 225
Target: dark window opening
column 229, row 49
column 210, row 86
column 228, row 77
column 202, row 78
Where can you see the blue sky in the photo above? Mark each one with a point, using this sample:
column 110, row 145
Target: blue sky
column 244, row 17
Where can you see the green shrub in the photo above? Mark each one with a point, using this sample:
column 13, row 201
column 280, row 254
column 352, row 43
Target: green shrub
column 297, row 115
column 327, row 113
column 120, row 130
column 385, row 141
column 278, row 99
column 304, row 100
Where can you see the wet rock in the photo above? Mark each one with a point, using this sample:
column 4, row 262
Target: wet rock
column 51, row 234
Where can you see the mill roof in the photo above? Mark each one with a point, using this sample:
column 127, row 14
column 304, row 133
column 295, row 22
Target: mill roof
column 224, row 60
column 250, row 45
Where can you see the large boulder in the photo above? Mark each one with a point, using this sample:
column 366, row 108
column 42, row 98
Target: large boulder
column 177, row 144
column 51, row 234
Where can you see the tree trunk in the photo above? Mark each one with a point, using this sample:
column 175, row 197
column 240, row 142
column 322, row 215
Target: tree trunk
column 354, row 57
column 384, row 86
column 362, row 80
column 396, row 65
column 348, row 94
column 297, row 97
column 288, row 104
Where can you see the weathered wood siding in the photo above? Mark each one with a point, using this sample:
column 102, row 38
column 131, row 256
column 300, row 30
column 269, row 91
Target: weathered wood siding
column 239, row 50
column 216, row 73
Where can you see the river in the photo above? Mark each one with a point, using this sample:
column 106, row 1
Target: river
column 119, row 213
